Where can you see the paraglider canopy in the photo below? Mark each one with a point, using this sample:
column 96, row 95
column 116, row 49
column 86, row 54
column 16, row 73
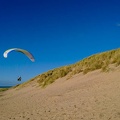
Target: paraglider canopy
column 28, row 54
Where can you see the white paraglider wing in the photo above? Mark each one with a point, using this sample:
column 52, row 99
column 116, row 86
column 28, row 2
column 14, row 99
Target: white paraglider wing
column 28, row 54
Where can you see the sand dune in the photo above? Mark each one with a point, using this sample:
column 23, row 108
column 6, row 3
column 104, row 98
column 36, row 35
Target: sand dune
column 94, row 96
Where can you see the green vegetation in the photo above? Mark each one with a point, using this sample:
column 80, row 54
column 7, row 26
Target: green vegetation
column 94, row 62
column 3, row 89
column 52, row 75
column 97, row 61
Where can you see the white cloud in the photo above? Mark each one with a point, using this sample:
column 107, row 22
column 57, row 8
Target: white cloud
column 118, row 24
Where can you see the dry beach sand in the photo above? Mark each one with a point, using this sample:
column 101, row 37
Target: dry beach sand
column 94, row 96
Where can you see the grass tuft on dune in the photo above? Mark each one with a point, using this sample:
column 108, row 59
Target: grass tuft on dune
column 3, row 89
column 97, row 61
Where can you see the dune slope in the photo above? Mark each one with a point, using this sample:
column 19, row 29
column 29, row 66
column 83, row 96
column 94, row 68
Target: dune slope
column 94, row 96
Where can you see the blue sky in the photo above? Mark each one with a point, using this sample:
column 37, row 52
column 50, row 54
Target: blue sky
column 56, row 32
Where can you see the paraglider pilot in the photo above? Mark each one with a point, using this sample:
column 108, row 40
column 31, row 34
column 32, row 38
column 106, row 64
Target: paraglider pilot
column 19, row 78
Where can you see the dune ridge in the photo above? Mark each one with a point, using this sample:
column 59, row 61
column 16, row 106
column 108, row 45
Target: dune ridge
column 86, row 90
column 93, row 96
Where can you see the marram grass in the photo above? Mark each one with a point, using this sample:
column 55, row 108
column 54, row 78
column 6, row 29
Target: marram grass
column 94, row 62
column 97, row 61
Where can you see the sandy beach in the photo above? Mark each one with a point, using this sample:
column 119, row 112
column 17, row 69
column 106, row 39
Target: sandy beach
column 94, row 96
